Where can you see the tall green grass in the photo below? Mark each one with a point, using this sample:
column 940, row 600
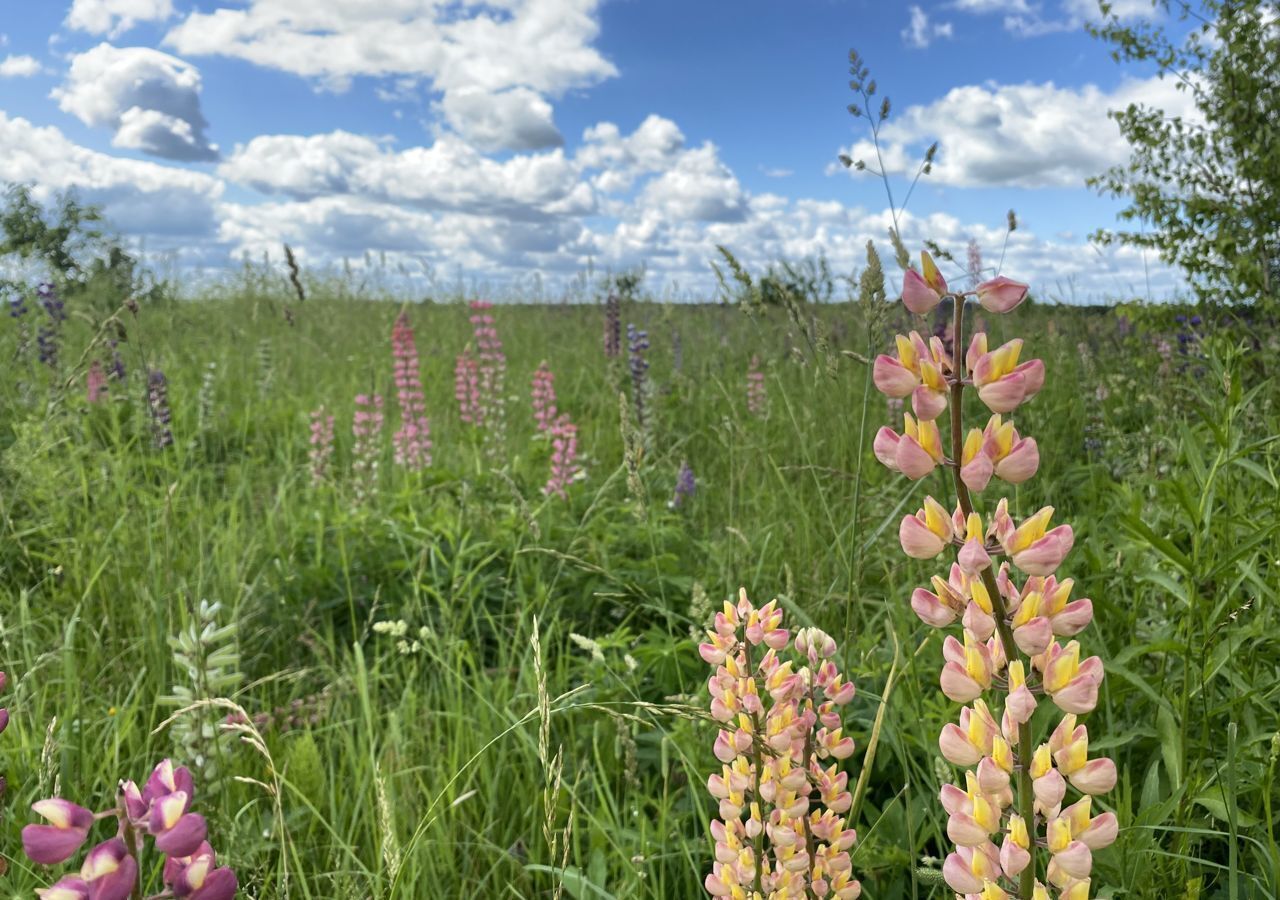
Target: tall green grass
column 480, row 766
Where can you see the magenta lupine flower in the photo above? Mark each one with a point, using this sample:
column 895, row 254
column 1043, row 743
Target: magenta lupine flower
column 366, row 428
column 466, row 387
column 491, row 372
column 757, row 395
column 564, row 457
column 413, row 439
column 1008, row 807
column 95, row 383
column 321, row 452
column 111, row 869
column 543, row 397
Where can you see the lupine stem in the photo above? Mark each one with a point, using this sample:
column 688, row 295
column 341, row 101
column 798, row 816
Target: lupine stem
column 1026, row 795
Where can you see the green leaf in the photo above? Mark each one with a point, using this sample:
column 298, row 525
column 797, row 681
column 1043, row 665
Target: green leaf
column 1212, row 802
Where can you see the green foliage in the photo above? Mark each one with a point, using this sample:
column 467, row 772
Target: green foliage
column 1205, row 193
column 428, row 757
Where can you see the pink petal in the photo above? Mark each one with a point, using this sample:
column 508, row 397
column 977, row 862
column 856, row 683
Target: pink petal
column 976, row 473
column 48, row 845
column 892, row 378
column 1001, row 294
column 930, row 609
column 1073, row 618
column 1004, row 394
column 917, row 296
column 957, row 685
column 973, row 557
column 1032, row 372
column 928, row 403
column 1034, row 637
column 1080, row 696
column 912, row 459
column 1098, row 776
column 956, row 748
column 917, row 541
column 959, row 877
column 885, row 447
column 1021, row 462
column 1102, row 832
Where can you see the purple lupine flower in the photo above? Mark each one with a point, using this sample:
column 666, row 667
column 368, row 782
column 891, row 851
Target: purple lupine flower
column 321, row 452
column 637, row 344
column 116, row 369
column 543, row 397
column 158, row 403
column 612, row 327
column 49, row 334
column 413, row 439
column 686, row 485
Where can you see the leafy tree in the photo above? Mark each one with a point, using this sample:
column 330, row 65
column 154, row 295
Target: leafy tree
column 67, row 245
column 1205, row 194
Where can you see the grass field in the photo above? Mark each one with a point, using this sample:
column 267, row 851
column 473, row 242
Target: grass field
column 537, row 723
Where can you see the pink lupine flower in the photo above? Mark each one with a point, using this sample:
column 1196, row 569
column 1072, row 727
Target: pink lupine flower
column 782, row 829
column 543, row 398
column 918, row 371
column 564, row 457
column 96, row 383
column 925, row 534
column 922, row 292
column 757, row 395
column 1010, row 809
column 321, row 440
column 490, row 369
column 1002, row 383
column 1000, row 294
column 466, row 388
column 412, row 440
column 366, row 428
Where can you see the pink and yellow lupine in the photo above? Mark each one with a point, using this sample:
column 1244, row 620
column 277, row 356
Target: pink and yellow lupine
column 757, row 394
column 412, row 440
column 1007, row 813
column 466, row 387
column 782, row 830
column 564, row 457
column 543, row 397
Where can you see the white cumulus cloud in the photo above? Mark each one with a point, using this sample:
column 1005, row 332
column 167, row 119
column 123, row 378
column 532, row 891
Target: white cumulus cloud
column 1022, row 135
column 19, row 66
column 493, row 63
column 141, row 198
column 151, row 100
column 114, row 17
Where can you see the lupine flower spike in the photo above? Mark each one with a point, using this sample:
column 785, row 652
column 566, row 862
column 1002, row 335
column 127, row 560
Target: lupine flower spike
column 413, row 439
column 321, row 453
column 757, row 396
column 564, row 457
column 1009, row 815
column 161, row 810
column 783, row 799
column 542, row 395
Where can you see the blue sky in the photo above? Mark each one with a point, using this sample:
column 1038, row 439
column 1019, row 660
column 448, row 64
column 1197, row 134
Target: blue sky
column 514, row 136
